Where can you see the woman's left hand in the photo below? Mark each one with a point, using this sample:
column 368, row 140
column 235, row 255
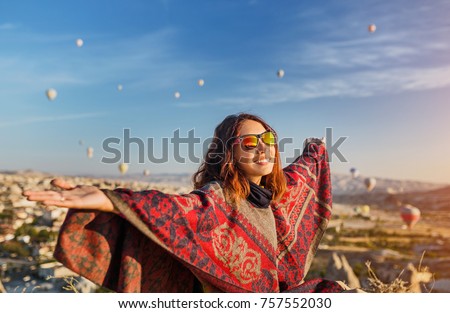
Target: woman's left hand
column 74, row 197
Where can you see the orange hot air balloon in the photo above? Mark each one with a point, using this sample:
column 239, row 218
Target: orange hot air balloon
column 370, row 183
column 372, row 28
column 410, row 215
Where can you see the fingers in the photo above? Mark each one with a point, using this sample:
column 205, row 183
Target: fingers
column 54, row 198
column 63, row 184
column 63, row 198
column 42, row 195
column 61, row 203
column 315, row 140
column 57, row 182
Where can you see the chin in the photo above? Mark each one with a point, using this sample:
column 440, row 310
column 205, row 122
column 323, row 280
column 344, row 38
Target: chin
column 263, row 172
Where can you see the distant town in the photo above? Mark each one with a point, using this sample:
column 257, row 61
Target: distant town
column 29, row 232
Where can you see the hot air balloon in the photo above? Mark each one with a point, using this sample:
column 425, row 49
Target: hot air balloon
column 177, row 95
column 119, row 87
column 280, row 73
column 79, row 42
column 362, row 210
column 365, row 210
column 355, row 172
column 372, row 28
column 370, row 183
column 123, row 168
column 410, row 215
column 51, row 94
column 80, row 142
column 90, row 152
column 201, row 82
column 146, row 172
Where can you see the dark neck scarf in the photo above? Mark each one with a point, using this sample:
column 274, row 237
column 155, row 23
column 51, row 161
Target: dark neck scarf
column 260, row 197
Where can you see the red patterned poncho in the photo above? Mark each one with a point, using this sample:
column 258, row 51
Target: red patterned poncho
column 167, row 243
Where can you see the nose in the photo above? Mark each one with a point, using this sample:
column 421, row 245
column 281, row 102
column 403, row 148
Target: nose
column 262, row 147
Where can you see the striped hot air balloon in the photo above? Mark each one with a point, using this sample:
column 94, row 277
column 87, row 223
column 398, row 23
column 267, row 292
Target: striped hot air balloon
column 410, row 215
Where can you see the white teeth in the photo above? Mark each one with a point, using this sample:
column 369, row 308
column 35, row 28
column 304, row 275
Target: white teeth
column 263, row 161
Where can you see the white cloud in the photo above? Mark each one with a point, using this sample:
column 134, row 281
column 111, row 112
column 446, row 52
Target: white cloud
column 383, row 51
column 353, row 85
column 7, row 26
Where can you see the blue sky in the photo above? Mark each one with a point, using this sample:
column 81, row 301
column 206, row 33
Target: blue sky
column 386, row 91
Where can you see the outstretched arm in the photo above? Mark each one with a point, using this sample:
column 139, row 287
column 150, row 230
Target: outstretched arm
column 73, row 197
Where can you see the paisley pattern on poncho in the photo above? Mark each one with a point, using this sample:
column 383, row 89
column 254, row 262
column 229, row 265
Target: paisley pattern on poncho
column 168, row 243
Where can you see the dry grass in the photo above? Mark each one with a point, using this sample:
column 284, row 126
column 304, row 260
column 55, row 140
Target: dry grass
column 70, row 281
column 398, row 285
column 377, row 286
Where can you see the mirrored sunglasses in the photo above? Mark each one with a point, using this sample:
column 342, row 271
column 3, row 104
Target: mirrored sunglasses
column 250, row 141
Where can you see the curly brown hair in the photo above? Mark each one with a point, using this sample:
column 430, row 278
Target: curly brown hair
column 219, row 165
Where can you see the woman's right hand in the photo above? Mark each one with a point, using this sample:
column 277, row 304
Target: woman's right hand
column 73, row 197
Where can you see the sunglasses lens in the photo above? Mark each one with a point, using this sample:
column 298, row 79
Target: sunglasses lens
column 268, row 138
column 249, row 142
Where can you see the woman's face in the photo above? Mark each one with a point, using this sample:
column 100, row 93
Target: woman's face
column 257, row 162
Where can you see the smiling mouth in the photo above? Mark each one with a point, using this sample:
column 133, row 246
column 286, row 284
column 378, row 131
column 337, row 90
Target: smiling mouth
column 262, row 161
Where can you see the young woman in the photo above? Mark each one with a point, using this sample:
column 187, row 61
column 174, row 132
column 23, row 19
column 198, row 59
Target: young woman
column 249, row 225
